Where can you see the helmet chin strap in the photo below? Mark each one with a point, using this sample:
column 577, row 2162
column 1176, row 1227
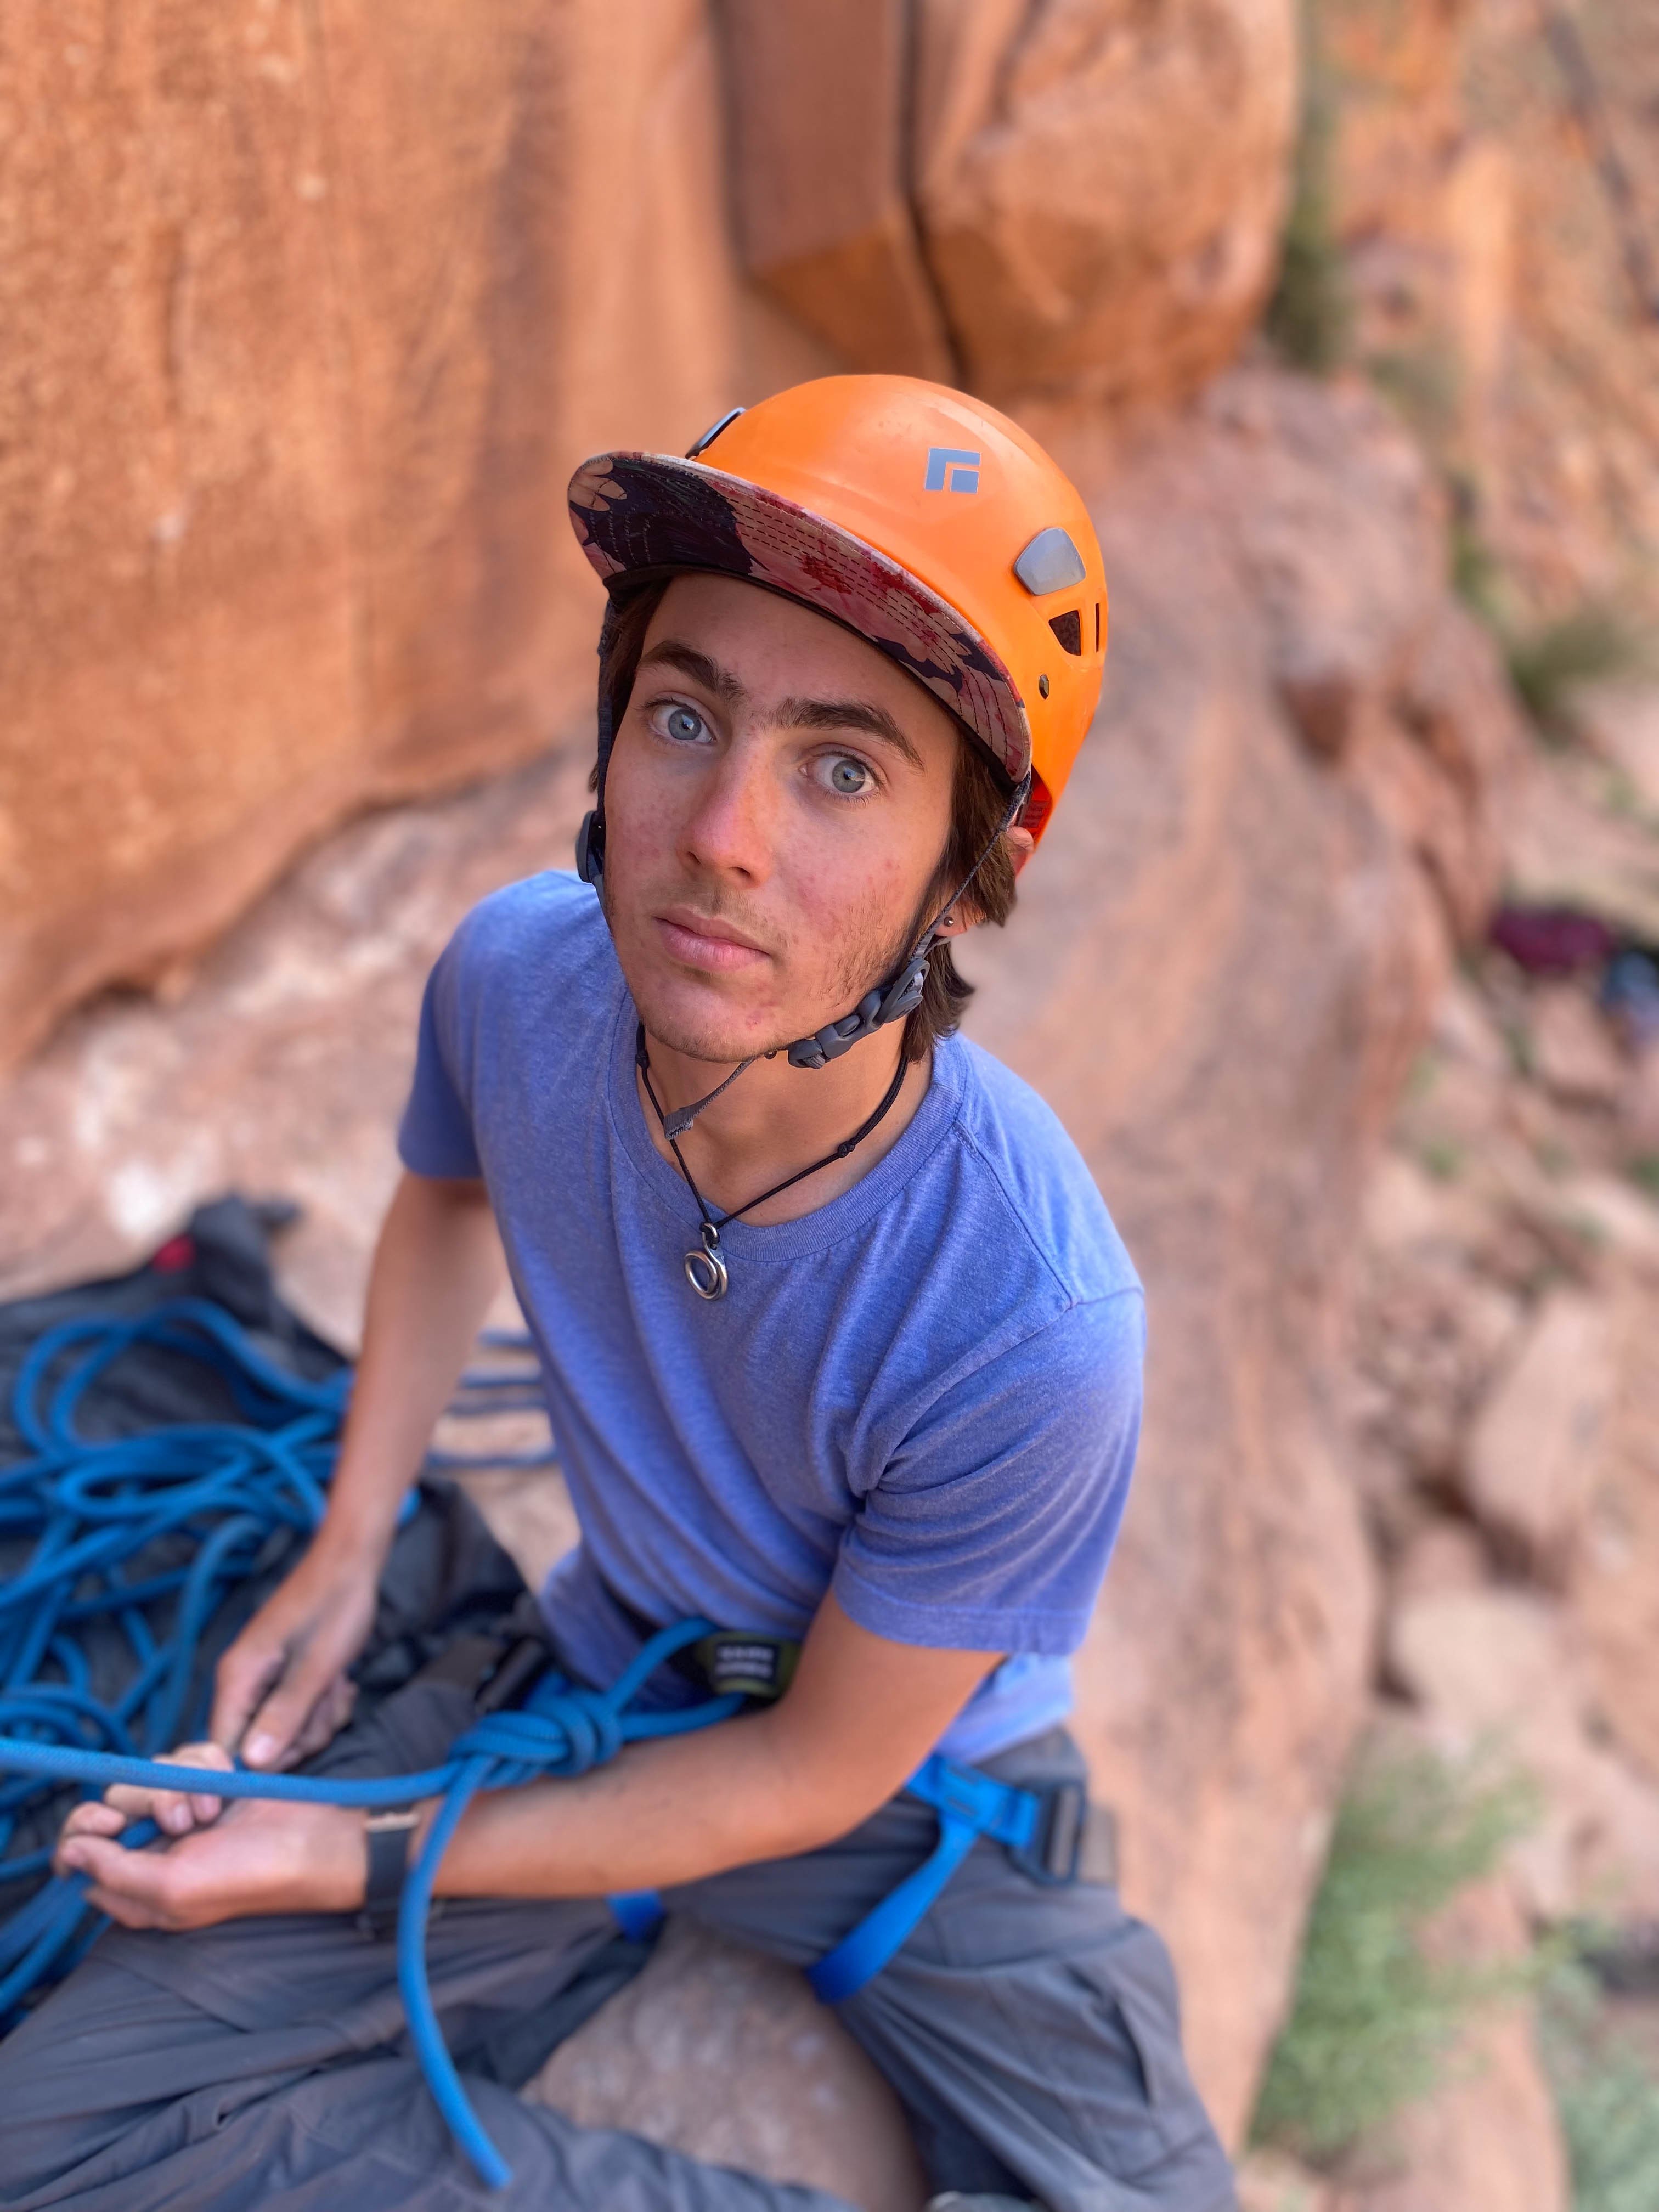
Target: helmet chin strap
column 900, row 994
column 890, row 1001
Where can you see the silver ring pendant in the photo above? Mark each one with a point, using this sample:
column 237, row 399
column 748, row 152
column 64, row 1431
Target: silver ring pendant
column 706, row 1270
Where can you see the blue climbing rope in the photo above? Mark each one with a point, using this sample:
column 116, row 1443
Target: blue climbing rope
column 126, row 1545
column 147, row 1534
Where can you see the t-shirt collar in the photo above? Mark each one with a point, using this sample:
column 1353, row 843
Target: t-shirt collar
column 809, row 1232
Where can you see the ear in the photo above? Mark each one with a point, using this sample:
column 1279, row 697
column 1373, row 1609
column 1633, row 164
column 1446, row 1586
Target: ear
column 1021, row 846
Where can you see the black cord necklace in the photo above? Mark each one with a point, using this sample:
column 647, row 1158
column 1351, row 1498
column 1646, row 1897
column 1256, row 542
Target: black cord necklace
column 706, row 1270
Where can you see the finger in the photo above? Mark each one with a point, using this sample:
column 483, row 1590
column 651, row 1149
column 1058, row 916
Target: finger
column 328, row 1716
column 94, row 1819
column 124, row 1911
column 127, row 1799
column 205, row 1806
column 275, row 1729
column 129, row 1885
column 168, row 1809
column 243, row 1677
column 176, row 1812
column 140, row 1877
column 92, row 1855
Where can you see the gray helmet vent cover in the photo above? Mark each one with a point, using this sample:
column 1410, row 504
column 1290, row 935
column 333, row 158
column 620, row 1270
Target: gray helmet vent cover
column 1049, row 564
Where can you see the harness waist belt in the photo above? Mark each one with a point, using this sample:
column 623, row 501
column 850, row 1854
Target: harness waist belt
column 1043, row 1830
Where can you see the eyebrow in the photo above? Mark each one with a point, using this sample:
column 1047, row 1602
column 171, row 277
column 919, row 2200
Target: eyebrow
column 848, row 714
column 795, row 713
column 669, row 652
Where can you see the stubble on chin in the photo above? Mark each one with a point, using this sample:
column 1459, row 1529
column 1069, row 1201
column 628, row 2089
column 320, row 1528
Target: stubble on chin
column 870, row 951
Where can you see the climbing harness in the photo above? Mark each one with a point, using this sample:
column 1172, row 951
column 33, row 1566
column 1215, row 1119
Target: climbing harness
column 150, row 1531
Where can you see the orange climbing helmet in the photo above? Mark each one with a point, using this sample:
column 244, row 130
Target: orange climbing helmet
column 918, row 517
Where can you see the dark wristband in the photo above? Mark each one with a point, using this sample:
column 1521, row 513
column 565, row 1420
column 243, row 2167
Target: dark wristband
column 387, row 1838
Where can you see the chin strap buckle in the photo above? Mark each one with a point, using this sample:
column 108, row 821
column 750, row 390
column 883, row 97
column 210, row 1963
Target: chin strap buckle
column 590, row 848
column 901, row 998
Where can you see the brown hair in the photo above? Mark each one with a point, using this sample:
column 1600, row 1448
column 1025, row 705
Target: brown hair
column 979, row 801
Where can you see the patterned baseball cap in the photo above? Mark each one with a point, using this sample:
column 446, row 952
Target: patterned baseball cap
column 645, row 514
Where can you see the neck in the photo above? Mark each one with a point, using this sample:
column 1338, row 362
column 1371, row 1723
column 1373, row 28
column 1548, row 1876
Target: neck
column 776, row 1119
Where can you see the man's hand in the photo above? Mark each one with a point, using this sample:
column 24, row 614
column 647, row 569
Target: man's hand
column 259, row 1858
column 175, row 1812
column 282, row 1691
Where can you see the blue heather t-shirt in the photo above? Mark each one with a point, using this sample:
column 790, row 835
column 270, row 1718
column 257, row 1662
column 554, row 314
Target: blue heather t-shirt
column 924, row 1396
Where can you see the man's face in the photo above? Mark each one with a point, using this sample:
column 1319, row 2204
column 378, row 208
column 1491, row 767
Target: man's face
column 777, row 807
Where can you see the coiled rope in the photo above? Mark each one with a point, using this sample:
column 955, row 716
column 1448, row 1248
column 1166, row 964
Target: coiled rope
column 149, row 1533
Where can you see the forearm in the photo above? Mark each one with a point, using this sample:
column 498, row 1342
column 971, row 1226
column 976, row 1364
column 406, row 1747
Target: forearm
column 670, row 1811
column 436, row 1268
column 860, row 1715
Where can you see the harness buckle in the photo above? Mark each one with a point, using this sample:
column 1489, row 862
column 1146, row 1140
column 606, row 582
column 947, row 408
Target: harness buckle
column 759, row 1667
column 1054, row 1853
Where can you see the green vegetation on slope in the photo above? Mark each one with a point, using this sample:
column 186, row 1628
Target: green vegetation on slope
column 1374, row 2019
column 1309, row 316
column 1546, row 664
column 1607, row 2095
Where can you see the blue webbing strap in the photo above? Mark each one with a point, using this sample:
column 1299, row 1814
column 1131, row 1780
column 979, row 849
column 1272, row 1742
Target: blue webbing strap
column 969, row 1805
column 639, row 1913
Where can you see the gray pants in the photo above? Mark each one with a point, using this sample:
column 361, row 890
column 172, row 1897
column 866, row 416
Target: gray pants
column 1031, row 2034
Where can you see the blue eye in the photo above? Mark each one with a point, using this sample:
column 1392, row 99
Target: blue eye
column 848, row 779
column 682, row 724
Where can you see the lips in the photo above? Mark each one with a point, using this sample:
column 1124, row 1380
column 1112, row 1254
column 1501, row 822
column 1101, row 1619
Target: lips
column 697, row 940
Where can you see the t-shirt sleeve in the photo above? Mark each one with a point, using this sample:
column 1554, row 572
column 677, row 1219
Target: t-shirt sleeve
column 991, row 1527
column 434, row 1137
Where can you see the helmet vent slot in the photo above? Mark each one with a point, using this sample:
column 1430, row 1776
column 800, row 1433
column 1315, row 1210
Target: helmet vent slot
column 1097, row 625
column 1069, row 628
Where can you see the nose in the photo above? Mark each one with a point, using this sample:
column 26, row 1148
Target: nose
column 732, row 824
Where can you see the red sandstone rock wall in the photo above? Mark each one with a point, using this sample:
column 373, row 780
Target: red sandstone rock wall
column 305, row 325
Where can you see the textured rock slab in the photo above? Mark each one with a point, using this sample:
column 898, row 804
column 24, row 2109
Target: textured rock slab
column 1080, row 198
column 1573, row 1048
column 1499, row 1671
column 1535, row 1448
column 1622, row 721
column 819, row 103
column 1565, row 848
column 1614, row 1589
column 1100, row 185
column 729, row 2056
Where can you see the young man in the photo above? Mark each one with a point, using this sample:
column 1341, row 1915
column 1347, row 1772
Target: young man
column 840, row 1349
